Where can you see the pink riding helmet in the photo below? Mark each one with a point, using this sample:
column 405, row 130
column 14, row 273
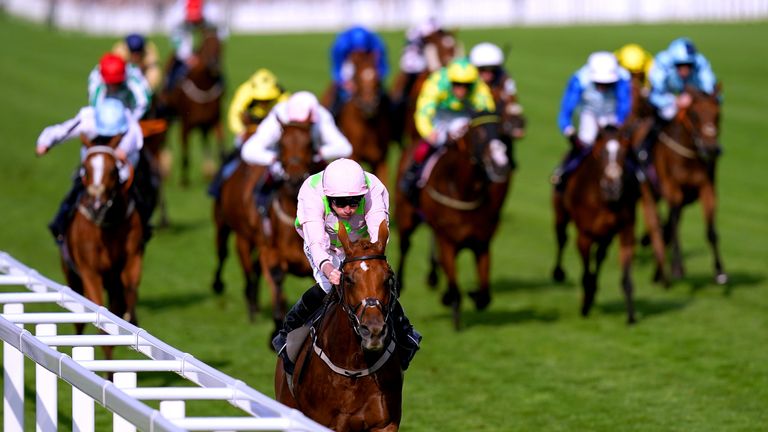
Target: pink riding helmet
column 343, row 178
column 302, row 106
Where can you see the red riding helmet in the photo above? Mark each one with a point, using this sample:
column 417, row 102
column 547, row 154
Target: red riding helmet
column 112, row 69
column 194, row 11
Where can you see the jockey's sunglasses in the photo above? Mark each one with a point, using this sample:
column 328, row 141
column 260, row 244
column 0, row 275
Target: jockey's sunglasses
column 341, row 202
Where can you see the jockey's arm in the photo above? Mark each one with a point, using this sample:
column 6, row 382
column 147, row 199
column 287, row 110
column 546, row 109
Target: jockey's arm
column 426, row 105
column 260, row 149
column 333, row 144
column 377, row 207
column 482, row 99
column 661, row 97
column 623, row 100
column 571, row 99
column 58, row 133
column 705, row 77
column 132, row 142
column 96, row 86
column 310, row 212
column 339, row 53
column 240, row 102
column 382, row 63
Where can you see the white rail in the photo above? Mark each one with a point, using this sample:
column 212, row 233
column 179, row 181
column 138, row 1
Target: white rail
column 122, row 397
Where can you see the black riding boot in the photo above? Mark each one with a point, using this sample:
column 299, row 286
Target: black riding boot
column 407, row 338
column 302, row 311
column 226, row 170
column 58, row 226
column 408, row 182
column 645, row 152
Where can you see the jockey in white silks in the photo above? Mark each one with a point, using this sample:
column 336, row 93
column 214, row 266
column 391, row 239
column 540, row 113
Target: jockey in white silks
column 341, row 194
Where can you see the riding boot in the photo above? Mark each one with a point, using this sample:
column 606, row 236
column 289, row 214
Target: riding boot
column 408, row 183
column 407, row 338
column 302, row 311
column 262, row 193
column 58, row 226
column 227, row 168
column 645, row 152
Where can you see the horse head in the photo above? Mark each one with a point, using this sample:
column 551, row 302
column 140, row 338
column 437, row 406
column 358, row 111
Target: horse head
column 100, row 177
column 610, row 150
column 483, row 147
column 295, row 152
column 367, row 83
column 367, row 289
column 209, row 53
column 702, row 121
column 440, row 48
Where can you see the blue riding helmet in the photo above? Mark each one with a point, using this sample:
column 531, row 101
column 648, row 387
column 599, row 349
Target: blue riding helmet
column 135, row 42
column 682, row 51
column 110, row 118
column 360, row 39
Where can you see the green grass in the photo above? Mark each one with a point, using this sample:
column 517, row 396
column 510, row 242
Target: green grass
column 697, row 359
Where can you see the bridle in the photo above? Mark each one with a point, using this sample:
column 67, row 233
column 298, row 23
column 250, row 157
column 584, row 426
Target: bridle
column 368, row 302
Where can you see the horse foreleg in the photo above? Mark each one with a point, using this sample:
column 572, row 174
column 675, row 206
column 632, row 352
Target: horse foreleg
column 251, row 273
column 452, row 296
column 672, row 238
column 588, row 279
column 561, row 232
column 652, row 224
column 130, row 277
column 222, row 238
column 407, row 222
column 432, row 275
column 185, row 130
column 626, row 252
column 482, row 296
column 274, row 274
column 708, row 205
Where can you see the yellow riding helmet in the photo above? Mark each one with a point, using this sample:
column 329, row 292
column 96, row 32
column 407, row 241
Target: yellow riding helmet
column 462, row 71
column 632, row 57
column 264, row 85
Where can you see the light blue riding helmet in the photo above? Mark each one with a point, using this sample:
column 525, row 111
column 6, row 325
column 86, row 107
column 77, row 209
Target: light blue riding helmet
column 110, row 117
column 682, row 51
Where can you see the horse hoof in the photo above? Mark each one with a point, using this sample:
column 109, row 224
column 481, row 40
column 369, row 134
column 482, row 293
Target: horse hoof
column 481, row 298
column 449, row 298
column 432, row 280
column 558, row 274
column 645, row 241
column 631, row 320
column 218, row 287
column 721, row 279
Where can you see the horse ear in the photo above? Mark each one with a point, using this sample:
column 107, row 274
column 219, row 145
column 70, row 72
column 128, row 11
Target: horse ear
column 86, row 141
column 383, row 235
column 344, row 238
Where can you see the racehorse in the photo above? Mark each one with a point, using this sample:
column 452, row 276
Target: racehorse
column 600, row 198
column 347, row 375
column 104, row 240
column 685, row 158
column 197, row 100
column 440, row 48
column 282, row 249
column 155, row 153
column 458, row 204
column 365, row 118
column 511, row 128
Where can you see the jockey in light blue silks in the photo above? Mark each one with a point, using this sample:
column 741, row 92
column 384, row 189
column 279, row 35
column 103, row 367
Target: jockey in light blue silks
column 678, row 66
column 601, row 91
column 354, row 39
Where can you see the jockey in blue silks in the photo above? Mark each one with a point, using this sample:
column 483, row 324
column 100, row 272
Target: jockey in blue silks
column 675, row 68
column 601, row 90
column 351, row 40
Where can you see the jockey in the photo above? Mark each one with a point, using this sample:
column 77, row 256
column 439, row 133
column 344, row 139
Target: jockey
column 448, row 98
column 138, row 51
column 354, row 39
column 489, row 61
column 253, row 100
column 108, row 119
column 678, row 66
column 637, row 61
column 601, row 89
column 261, row 147
column 342, row 193
column 186, row 17
column 414, row 59
column 113, row 78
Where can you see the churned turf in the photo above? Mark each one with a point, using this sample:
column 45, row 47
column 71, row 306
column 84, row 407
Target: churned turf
column 696, row 360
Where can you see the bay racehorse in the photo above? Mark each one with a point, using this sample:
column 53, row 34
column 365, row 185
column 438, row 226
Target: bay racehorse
column 511, row 128
column 197, row 101
column 458, row 204
column 685, row 159
column 600, row 198
column 282, row 249
column 365, row 118
column 347, row 375
column 104, row 241
column 440, row 48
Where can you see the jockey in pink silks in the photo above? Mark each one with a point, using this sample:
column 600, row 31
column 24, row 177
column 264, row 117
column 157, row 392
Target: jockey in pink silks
column 342, row 193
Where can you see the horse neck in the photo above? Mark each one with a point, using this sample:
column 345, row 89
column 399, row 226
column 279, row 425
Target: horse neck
column 463, row 173
column 339, row 340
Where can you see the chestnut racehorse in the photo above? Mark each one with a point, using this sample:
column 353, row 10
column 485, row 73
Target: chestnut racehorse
column 685, row 159
column 347, row 375
column 600, row 198
column 458, row 204
column 365, row 118
column 105, row 238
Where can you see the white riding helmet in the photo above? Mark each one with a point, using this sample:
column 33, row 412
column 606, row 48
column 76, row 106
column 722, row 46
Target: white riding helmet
column 344, row 178
column 110, row 118
column 603, row 67
column 302, row 106
column 486, row 54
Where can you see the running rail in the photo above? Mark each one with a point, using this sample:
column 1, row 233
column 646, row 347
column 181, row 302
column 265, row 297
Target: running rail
column 122, row 397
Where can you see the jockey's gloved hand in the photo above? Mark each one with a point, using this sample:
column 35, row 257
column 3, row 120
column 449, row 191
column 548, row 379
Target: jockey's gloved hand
column 332, row 273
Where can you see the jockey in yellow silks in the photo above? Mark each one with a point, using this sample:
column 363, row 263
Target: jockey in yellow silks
column 252, row 102
column 636, row 60
column 449, row 97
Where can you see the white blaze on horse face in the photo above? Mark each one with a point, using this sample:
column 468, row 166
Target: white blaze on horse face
column 613, row 170
column 364, row 266
column 613, row 150
column 97, row 163
column 368, row 74
column 709, row 130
